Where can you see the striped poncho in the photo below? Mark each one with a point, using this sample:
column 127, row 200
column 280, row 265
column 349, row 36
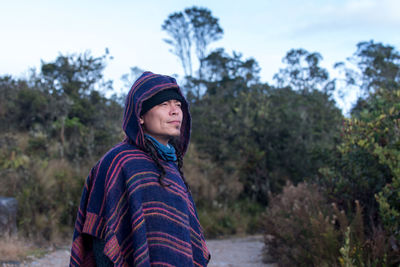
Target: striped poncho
column 142, row 222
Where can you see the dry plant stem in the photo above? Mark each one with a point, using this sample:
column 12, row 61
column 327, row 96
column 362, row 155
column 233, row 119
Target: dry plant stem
column 13, row 249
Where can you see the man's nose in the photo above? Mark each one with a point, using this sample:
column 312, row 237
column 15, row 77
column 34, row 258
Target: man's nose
column 174, row 109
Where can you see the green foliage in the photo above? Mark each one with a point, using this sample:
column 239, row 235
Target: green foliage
column 241, row 218
column 379, row 66
column 359, row 247
column 367, row 166
column 194, row 26
column 22, row 106
column 263, row 135
column 208, row 182
column 54, row 126
column 303, row 72
column 248, row 140
column 369, row 163
column 345, row 251
column 47, row 190
column 74, row 75
column 48, row 197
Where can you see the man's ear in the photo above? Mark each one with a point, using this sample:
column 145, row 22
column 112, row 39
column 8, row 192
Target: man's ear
column 141, row 121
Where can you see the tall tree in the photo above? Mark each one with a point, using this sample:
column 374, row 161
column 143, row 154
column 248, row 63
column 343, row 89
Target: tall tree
column 205, row 30
column 371, row 67
column 178, row 27
column 219, row 66
column 379, row 66
column 260, row 134
column 303, row 72
column 129, row 78
column 196, row 26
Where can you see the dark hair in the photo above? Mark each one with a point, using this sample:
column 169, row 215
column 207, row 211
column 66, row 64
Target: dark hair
column 149, row 148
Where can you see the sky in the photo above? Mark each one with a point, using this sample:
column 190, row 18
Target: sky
column 41, row 30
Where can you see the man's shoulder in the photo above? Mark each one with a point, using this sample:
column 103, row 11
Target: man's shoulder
column 123, row 149
column 124, row 152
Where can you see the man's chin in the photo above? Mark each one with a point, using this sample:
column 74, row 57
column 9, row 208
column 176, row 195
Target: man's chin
column 175, row 134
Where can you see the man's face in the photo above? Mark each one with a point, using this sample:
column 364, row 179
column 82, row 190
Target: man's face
column 163, row 121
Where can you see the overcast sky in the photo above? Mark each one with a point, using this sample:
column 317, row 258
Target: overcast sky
column 265, row 30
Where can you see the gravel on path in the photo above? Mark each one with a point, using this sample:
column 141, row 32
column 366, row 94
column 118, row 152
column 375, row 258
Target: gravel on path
column 230, row 252
column 237, row 252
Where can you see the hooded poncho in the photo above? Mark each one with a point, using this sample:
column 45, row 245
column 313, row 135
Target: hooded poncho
column 142, row 222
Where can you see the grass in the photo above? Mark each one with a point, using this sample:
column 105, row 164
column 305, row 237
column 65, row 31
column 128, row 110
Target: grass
column 14, row 249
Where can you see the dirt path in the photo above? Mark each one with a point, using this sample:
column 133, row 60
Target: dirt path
column 232, row 252
column 237, row 252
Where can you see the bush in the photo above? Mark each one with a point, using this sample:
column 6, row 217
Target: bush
column 359, row 247
column 48, row 191
column 212, row 187
column 216, row 194
column 367, row 169
column 240, row 218
column 301, row 229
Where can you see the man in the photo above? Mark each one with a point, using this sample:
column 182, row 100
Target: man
column 136, row 208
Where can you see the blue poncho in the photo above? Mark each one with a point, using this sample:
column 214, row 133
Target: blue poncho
column 142, row 222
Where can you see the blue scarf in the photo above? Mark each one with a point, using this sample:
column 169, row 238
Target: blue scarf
column 166, row 152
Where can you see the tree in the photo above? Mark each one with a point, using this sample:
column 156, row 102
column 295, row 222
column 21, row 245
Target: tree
column 291, row 136
column 194, row 25
column 178, row 28
column 220, row 66
column 227, row 79
column 367, row 167
column 217, row 124
column 260, row 134
column 75, row 75
column 205, row 30
column 130, row 78
column 367, row 170
column 22, row 107
column 371, row 67
column 53, row 127
column 75, row 83
column 303, row 72
column 379, row 66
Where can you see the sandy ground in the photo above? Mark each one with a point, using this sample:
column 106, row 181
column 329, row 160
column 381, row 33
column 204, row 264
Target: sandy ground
column 232, row 252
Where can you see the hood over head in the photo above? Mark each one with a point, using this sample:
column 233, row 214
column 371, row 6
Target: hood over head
column 145, row 87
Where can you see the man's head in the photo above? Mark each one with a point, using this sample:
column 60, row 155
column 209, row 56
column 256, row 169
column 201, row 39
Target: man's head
column 161, row 115
column 147, row 92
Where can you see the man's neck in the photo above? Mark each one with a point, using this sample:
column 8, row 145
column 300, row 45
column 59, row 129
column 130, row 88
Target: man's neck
column 161, row 139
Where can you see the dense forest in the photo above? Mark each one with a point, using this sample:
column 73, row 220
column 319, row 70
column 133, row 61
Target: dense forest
column 279, row 159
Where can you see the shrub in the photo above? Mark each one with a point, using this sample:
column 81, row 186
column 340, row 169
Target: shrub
column 48, row 191
column 359, row 247
column 240, row 218
column 212, row 187
column 367, row 169
column 300, row 228
column 48, row 195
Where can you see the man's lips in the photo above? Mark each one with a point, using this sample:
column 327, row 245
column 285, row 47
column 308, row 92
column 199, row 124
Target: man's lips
column 175, row 122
